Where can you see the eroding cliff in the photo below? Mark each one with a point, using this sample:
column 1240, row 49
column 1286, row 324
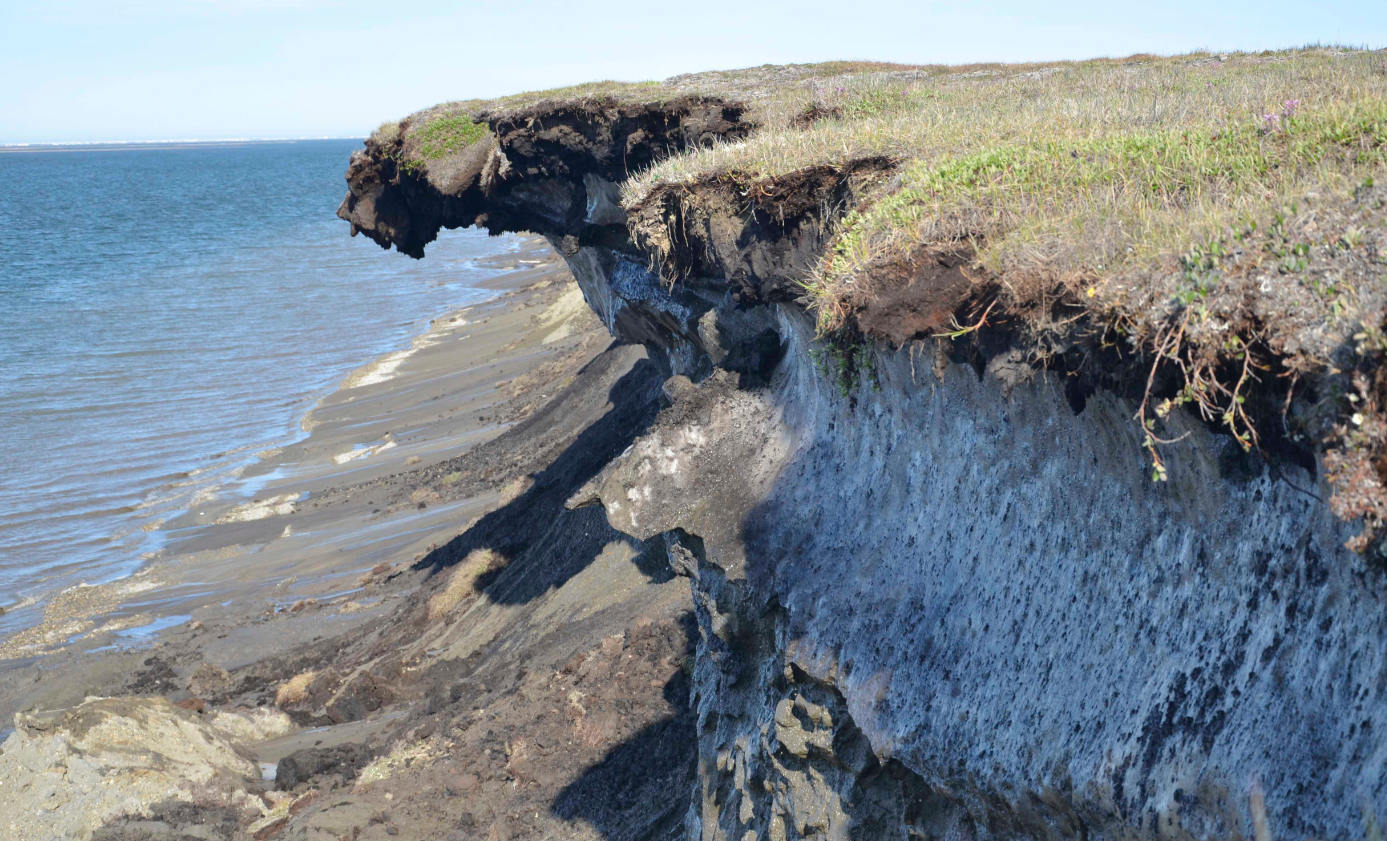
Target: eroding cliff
column 553, row 169
column 937, row 592
column 998, row 598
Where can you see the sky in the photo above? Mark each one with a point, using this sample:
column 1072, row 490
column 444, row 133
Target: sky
column 79, row 70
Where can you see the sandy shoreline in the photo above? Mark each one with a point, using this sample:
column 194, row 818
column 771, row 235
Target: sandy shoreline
column 288, row 656
column 236, row 575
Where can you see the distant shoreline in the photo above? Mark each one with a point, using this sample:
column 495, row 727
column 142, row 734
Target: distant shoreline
column 133, row 145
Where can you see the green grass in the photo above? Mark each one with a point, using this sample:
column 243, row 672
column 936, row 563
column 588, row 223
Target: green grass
column 928, row 113
column 418, row 140
column 1096, row 207
column 447, row 136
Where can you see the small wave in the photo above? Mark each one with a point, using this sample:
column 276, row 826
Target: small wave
column 275, row 506
column 379, row 371
column 27, row 601
column 387, row 367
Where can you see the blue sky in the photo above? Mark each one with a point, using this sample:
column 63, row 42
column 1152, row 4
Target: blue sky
column 204, row 69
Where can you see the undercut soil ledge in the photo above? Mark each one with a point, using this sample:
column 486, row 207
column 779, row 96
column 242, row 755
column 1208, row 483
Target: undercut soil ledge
column 977, row 548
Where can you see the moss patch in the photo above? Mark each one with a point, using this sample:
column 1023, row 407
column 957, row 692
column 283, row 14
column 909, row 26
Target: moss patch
column 446, row 136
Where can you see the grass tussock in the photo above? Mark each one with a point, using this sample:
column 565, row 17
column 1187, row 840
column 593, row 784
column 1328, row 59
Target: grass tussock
column 402, row 755
column 463, row 583
column 428, row 137
column 387, row 133
column 295, row 690
column 515, row 489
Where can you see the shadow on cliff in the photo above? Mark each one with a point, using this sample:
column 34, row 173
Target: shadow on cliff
column 640, row 789
column 543, row 544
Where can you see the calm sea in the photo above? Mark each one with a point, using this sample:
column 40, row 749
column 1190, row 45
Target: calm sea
column 165, row 314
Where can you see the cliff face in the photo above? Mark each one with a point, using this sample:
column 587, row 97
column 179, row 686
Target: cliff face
column 940, row 596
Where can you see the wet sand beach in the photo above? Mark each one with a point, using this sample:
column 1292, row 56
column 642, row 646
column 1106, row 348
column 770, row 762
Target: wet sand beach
column 242, row 579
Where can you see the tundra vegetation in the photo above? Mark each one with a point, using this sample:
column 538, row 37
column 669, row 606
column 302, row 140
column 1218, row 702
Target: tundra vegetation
column 1202, row 231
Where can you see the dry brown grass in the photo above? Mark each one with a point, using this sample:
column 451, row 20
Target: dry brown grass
column 295, row 690
column 932, row 113
column 1105, row 188
column 462, row 583
column 515, row 489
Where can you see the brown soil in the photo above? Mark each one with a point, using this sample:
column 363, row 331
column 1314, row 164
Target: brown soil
column 815, row 113
column 396, row 204
column 762, row 236
column 921, row 301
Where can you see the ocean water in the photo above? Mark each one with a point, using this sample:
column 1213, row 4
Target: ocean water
column 167, row 313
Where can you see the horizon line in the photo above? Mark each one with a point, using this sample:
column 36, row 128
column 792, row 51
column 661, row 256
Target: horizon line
column 77, row 145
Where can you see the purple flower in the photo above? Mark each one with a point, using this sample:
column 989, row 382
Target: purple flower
column 1271, row 122
column 1289, row 107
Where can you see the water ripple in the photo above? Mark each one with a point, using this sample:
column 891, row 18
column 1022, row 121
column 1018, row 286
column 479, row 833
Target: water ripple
column 166, row 315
